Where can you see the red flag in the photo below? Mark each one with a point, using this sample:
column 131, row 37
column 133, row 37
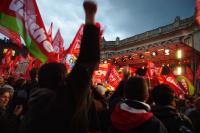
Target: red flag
column 197, row 12
column 114, row 78
column 13, row 36
column 171, row 81
column 99, row 76
column 58, row 43
column 188, row 73
column 74, row 47
column 23, row 17
column 50, row 32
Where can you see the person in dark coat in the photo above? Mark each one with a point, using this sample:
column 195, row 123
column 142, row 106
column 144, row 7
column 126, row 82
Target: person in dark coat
column 9, row 121
column 60, row 102
column 194, row 115
column 165, row 110
column 131, row 115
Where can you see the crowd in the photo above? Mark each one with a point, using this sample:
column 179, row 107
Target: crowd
column 53, row 101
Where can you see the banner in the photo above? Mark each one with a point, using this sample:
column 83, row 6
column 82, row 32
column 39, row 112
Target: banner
column 197, row 12
column 186, row 84
column 114, row 78
column 171, row 81
column 99, row 76
column 23, row 17
column 74, row 47
column 58, row 43
column 50, row 32
column 13, row 36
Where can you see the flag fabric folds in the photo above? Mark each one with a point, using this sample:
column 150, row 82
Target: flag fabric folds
column 23, row 17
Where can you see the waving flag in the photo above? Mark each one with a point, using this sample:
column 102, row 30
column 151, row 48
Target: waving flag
column 186, row 84
column 50, row 32
column 74, row 48
column 58, row 43
column 13, row 36
column 23, row 17
column 114, row 78
column 197, row 12
column 99, row 76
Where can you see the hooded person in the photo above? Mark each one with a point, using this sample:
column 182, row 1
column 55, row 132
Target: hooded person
column 131, row 114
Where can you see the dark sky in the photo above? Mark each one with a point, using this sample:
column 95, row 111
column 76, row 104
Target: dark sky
column 130, row 17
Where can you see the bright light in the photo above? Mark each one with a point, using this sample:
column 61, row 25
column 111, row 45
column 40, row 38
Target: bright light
column 167, row 51
column 13, row 52
column 105, row 62
column 179, row 54
column 154, row 53
column 179, row 70
column 5, row 50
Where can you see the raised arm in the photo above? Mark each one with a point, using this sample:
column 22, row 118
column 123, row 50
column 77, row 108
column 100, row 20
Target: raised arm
column 79, row 79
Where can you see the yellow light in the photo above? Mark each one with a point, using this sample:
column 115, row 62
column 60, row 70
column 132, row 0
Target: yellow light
column 179, row 70
column 13, row 52
column 5, row 50
column 179, row 54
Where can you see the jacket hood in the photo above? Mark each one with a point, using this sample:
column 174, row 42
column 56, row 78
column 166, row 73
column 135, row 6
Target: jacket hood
column 125, row 118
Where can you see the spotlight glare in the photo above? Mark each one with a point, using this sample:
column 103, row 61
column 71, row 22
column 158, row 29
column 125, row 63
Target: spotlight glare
column 179, row 54
column 179, row 70
column 167, row 52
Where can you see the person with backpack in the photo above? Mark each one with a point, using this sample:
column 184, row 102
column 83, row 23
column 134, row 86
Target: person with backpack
column 165, row 110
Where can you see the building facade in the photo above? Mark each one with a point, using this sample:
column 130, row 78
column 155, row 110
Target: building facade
column 159, row 45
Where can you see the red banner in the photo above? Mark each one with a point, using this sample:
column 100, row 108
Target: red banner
column 23, row 17
column 197, row 12
column 74, row 47
column 114, row 78
column 100, row 75
column 58, row 43
column 50, row 32
column 13, row 36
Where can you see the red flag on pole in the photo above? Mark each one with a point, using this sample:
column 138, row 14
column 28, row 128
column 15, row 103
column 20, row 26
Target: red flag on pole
column 114, row 78
column 50, row 32
column 74, row 47
column 58, row 43
column 23, row 17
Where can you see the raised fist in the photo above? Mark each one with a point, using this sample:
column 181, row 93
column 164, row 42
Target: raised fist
column 90, row 7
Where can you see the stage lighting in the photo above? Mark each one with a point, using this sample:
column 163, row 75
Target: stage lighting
column 13, row 52
column 154, row 53
column 179, row 54
column 5, row 50
column 167, row 52
column 179, row 70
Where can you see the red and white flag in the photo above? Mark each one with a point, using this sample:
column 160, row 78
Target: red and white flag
column 13, row 36
column 114, row 78
column 50, row 32
column 58, row 43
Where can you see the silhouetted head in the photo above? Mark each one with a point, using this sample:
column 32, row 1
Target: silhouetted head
column 136, row 89
column 33, row 73
column 51, row 75
column 163, row 95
